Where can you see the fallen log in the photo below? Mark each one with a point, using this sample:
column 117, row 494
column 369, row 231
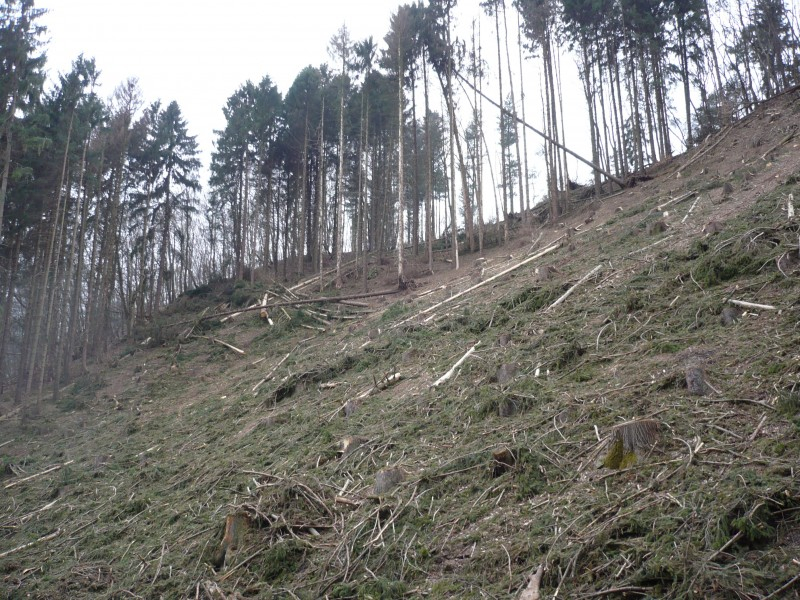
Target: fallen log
column 550, row 248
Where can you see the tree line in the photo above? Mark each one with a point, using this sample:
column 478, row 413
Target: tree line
column 389, row 147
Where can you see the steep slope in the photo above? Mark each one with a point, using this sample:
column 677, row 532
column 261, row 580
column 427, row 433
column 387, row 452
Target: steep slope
column 640, row 438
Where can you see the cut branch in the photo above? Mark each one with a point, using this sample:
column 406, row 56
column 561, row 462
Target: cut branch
column 45, row 472
column 752, row 304
column 550, row 248
column 384, row 383
column 226, row 344
column 44, row 538
column 699, row 155
column 677, row 200
column 574, row 287
column 452, row 370
column 778, row 145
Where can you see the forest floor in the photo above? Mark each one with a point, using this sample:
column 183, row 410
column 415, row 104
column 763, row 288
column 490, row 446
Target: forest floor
column 638, row 439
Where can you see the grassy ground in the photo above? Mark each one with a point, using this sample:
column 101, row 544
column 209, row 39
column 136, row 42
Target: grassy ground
column 182, row 474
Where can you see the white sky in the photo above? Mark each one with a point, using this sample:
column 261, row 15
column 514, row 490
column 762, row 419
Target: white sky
column 198, row 53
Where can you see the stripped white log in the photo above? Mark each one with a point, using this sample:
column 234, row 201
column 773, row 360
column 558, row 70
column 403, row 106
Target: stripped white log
column 583, row 279
column 218, row 341
column 381, row 385
column 231, row 317
column 550, row 248
column 752, row 305
column 460, row 362
column 691, row 208
column 677, row 200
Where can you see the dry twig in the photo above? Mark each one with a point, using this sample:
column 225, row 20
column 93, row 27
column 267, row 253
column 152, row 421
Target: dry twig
column 45, row 472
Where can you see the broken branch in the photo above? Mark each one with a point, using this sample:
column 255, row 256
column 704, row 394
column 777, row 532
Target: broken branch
column 752, row 304
column 583, row 279
column 45, row 472
column 226, row 344
column 452, row 370
column 550, row 248
column 44, row 538
column 677, row 200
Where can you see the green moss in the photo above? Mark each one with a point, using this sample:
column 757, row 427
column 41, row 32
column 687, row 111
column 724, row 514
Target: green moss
column 614, row 457
column 529, row 475
column 446, row 589
column 666, row 347
column 569, row 353
column 531, row 299
column 584, row 375
column 282, row 559
column 396, row 310
column 628, row 460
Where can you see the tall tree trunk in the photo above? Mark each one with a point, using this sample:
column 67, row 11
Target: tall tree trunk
column 661, row 104
column 637, row 121
column 722, row 101
column 477, row 80
column 400, row 206
column 429, row 165
column 92, row 291
column 684, row 58
column 362, row 200
column 75, row 269
column 162, row 252
column 647, row 99
column 49, row 261
column 320, row 208
column 520, row 175
column 9, row 134
column 524, row 118
column 503, row 169
column 619, row 121
column 338, row 225
column 8, row 307
column 268, row 228
column 589, row 93
column 303, row 207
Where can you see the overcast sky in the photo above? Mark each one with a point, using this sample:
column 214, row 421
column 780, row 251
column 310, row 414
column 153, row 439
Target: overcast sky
column 199, row 52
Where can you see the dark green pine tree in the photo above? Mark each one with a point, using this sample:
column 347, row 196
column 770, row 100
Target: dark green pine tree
column 21, row 78
column 178, row 181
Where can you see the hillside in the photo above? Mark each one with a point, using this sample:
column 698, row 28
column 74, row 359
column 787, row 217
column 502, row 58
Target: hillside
column 638, row 439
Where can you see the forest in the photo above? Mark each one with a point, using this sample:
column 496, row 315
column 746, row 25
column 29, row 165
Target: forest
column 385, row 150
